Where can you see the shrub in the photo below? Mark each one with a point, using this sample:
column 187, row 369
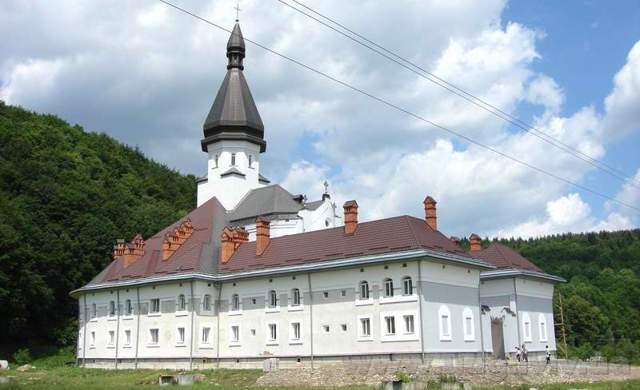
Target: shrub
column 22, row 356
column 403, row 377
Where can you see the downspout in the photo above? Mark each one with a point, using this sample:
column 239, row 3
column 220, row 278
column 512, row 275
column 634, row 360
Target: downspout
column 117, row 326
column 420, row 308
column 217, row 312
column 192, row 331
column 515, row 292
column 137, row 327
column 481, row 327
column 84, row 332
column 310, row 317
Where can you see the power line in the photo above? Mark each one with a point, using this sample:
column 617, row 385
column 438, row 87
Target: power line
column 403, row 110
column 479, row 102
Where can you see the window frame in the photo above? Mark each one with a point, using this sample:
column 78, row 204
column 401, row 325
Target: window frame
column 206, row 302
column 272, row 340
column 181, row 304
column 407, row 280
column 527, row 336
column 445, row 314
column 151, row 342
column 128, row 308
column 292, row 332
column 542, row 328
column 234, row 334
column 152, row 304
column 468, row 330
column 390, row 325
column 181, row 338
column 362, row 336
column 204, row 343
column 127, row 338
column 388, row 288
column 113, row 311
column 236, row 303
column 409, row 319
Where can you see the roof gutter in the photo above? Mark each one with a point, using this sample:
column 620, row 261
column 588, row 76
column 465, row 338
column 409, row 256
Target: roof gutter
column 510, row 273
column 341, row 263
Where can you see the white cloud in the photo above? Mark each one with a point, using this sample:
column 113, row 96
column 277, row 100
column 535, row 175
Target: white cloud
column 622, row 105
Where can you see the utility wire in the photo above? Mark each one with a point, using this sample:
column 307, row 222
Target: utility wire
column 479, row 102
column 403, row 110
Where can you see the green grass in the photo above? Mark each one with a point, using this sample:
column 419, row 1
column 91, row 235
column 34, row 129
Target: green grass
column 624, row 385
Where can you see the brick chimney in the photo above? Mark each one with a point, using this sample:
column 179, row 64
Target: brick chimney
column 430, row 212
column 133, row 250
column 174, row 240
column 350, row 216
column 476, row 242
column 119, row 248
column 230, row 242
column 262, row 235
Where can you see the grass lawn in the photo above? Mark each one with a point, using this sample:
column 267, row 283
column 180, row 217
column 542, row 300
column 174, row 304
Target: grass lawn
column 626, row 385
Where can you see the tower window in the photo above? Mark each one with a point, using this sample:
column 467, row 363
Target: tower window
column 216, row 161
column 233, row 159
column 250, row 161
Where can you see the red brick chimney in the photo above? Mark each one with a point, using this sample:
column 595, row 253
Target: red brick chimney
column 262, row 235
column 476, row 242
column 230, row 242
column 350, row 216
column 430, row 212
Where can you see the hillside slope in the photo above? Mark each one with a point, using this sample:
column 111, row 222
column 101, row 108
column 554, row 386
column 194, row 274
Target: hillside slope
column 65, row 196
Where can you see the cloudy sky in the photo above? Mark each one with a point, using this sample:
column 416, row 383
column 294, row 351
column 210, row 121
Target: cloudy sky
column 146, row 74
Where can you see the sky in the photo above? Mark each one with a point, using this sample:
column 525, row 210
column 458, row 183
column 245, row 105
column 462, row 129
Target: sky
column 147, row 74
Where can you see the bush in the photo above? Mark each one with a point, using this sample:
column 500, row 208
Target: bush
column 22, row 356
column 403, row 377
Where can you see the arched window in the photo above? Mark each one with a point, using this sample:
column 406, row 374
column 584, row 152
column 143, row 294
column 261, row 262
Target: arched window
column 468, row 325
column 273, row 298
column 216, row 161
column 206, row 302
column 182, row 303
column 444, row 323
column 235, row 302
column 526, row 327
column 250, row 161
column 295, row 297
column 94, row 310
column 407, row 285
column 542, row 323
column 128, row 309
column 364, row 290
column 112, row 309
column 233, row 159
column 388, row 287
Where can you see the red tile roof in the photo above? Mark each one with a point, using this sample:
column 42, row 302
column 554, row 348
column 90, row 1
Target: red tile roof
column 374, row 237
column 504, row 257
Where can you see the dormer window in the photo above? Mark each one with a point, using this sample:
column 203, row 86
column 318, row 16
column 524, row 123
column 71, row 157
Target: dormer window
column 233, row 159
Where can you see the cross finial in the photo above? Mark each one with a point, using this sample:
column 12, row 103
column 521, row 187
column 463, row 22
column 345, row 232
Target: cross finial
column 237, row 8
column 326, row 187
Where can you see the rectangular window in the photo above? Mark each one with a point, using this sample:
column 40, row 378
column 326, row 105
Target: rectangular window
column 128, row 309
column 296, row 297
column 445, row 325
column 205, row 335
column 127, row 337
column 93, row 339
column 273, row 299
column 233, row 159
column 527, row 330
column 112, row 309
column 154, row 336
column 273, row 332
column 295, row 331
column 155, row 306
column 112, row 337
column 180, row 336
column 543, row 331
column 364, row 290
column 409, row 324
column 388, row 288
column 365, row 327
column 468, row 327
column 235, row 334
column 325, row 294
column 391, row 324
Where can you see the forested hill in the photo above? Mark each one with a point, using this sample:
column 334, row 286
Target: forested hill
column 65, row 196
column 601, row 300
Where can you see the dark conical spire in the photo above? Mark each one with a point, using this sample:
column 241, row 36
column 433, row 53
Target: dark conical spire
column 234, row 115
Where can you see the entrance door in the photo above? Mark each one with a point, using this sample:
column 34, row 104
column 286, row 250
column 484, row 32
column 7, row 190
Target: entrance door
column 497, row 338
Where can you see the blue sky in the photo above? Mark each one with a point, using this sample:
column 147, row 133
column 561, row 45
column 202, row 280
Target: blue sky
column 146, row 74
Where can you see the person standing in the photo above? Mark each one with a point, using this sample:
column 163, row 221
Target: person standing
column 547, row 355
column 518, row 354
column 525, row 357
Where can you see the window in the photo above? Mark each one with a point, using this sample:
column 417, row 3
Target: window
column 235, row 302
column 216, row 161
column 250, row 161
column 206, row 331
column 206, row 302
column 388, row 287
column 364, row 290
column 180, row 338
column 365, row 327
column 467, row 324
column 154, row 336
column 326, row 328
column 273, row 299
column 390, row 322
column 273, row 332
column 155, row 306
column 182, row 303
column 295, row 297
column 295, row 331
column 112, row 309
column 128, row 308
column 233, row 159
column 343, row 293
column 542, row 322
column 444, row 323
column 93, row 339
column 127, row 337
column 325, row 294
column 407, row 286
column 112, row 337
column 94, row 310
column 235, row 333
column 409, row 324
column 526, row 326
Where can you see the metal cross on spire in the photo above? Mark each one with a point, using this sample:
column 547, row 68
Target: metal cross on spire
column 326, row 187
column 237, row 8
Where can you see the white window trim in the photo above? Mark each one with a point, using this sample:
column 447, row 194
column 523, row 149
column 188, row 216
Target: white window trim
column 542, row 324
column 299, row 307
column 124, row 338
column 444, row 311
column 232, row 342
column 150, row 343
column 155, row 313
column 111, row 343
column 267, row 307
column 404, row 325
column 398, row 298
column 210, row 309
column 404, row 278
column 233, row 312
column 92, row 339
column 184, row 341
column 293, row 341
column 362, row 336
column 526, row 319
column 209, row 343
column 468, row 336
column 270, row 341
